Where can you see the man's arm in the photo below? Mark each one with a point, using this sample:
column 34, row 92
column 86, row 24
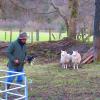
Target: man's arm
column 10, row 52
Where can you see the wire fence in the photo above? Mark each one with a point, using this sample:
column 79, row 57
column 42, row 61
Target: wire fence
column 16, row 91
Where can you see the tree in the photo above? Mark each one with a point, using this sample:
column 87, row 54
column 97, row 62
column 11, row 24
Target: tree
column 71, row 21
column 97, row 30
column 40, row 11
column 73, row 5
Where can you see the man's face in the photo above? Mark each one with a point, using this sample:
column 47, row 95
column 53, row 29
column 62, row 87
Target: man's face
column 24, row 40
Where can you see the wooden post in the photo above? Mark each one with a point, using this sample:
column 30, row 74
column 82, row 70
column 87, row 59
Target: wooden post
column 49, row 34
column 31, row 37
column 60, row 35
column 10, row 35
column 5, row 35
column 37, row 35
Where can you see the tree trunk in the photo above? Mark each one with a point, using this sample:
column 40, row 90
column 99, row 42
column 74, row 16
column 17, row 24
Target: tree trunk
column 97, row 48
column 73, row 5
column 97, row 31
column 67, row 27
column 72, row 28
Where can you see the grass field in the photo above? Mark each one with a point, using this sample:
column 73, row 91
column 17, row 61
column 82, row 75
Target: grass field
column 44, row 36
column 50, row 82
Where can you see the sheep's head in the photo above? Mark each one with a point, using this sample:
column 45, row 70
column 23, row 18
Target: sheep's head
column 74, row 53
column 63, row 53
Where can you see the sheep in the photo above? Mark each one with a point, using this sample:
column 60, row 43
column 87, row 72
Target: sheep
column 65, row 59
column 76, row 59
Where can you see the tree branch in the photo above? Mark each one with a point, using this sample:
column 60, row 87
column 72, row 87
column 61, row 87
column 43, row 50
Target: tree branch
column 64, row 17
column 57, row 9
column 14, row 3
column 30, row 9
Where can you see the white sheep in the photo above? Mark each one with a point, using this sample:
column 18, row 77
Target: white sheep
column 65, row 59
column 76, row 59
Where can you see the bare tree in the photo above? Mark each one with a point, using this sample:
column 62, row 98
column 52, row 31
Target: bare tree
column 45, row 11
column 97, row 31
column 71, row 21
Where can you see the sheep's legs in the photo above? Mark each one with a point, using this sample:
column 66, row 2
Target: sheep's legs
column 77, row 66
column 66, row 66
column 74, row 66
column 63, row 66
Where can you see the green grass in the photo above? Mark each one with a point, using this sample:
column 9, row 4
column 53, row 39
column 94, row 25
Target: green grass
column 51, row 82
column 44, row 36
column 54, row 83
column 88, row 40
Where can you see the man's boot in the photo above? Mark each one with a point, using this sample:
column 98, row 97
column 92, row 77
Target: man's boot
column 4, row 93
column 8, row 86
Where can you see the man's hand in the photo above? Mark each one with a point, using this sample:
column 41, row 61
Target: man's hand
column 16, row 61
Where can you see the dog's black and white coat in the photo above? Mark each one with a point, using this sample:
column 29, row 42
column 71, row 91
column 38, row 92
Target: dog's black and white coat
column 30, row 58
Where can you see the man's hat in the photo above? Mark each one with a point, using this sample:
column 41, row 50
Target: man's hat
column 23, row 35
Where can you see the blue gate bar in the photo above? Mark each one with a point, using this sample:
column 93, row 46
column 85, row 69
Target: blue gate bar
column 12, row 83
column 12, row 75
column 26, row 88
column 18, row 86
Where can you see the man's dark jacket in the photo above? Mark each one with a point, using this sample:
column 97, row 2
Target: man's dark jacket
column 16, row 51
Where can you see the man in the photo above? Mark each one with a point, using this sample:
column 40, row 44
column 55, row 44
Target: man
column 16, row 55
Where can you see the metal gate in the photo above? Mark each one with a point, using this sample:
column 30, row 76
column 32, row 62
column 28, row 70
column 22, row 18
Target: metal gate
column 11, row 92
